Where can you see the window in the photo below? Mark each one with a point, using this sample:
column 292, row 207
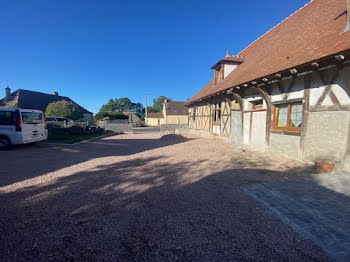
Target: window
column 217, row 115
column 257, row 104
column 7, row 118
column 32, row 118
column 218, row 75
column 288, row 116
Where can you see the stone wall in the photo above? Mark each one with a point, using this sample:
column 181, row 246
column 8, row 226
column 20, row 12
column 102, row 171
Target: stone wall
column 173, row 127
column 286, row 144
column 236, row 129
column 326, row 136
column 121, row 127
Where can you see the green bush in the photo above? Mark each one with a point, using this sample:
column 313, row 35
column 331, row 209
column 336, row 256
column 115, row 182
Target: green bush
column 110, row 116
column 64, row 109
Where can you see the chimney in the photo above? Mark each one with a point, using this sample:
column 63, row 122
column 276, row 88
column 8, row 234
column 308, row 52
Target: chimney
column 227, row 54
column 7, row 92
column 55, row 93
column 347, row 28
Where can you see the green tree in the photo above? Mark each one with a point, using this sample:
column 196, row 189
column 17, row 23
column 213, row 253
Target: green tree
column 138, row 109
column 64, row 109
column 110, row 116
column 119, row 105
column 158, row 103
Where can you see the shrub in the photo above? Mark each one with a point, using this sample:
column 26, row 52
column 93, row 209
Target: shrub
column 110, row 116
column 64, row 109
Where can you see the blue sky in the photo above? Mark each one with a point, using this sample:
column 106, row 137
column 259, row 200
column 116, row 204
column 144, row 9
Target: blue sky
column 92, row 51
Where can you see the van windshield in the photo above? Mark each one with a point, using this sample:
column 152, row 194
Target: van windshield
column 32, row 118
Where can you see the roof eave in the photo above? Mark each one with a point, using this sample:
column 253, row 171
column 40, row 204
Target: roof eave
column 300, row 68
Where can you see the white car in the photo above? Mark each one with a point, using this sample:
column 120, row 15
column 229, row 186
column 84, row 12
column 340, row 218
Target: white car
column 21, row 126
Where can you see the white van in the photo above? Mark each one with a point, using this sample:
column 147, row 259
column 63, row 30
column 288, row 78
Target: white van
column 21, row 126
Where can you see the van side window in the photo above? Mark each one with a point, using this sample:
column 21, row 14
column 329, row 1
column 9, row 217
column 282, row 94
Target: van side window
column 6, row 118
column 32, row 118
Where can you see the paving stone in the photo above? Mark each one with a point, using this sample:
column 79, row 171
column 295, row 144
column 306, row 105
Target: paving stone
column 317, row 207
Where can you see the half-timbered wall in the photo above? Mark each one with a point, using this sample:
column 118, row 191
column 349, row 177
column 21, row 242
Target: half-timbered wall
column 328, row 118
column 225, row 121
column 203, row 117
column 324, row 98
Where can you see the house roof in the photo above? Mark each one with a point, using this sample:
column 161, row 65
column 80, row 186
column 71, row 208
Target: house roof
column 176, row 108
column 155, row 115
column 34, row 100
column 313, row 32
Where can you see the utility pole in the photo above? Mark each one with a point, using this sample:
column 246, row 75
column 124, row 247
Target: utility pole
column 146, row 107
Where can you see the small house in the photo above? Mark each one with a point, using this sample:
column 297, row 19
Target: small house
column 36, row 100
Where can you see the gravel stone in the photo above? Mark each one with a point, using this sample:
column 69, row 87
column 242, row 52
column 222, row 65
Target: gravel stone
column 140, row 197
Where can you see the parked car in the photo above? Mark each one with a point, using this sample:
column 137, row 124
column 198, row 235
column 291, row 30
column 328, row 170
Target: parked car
column 95, row 129
column 21, row 126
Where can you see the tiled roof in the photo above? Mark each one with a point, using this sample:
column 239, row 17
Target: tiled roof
column 155, row 115
column 176, row 108
column 34, row 100
column 314, row 32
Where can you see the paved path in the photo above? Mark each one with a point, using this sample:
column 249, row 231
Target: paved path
column 318, row 207
column 143, row 198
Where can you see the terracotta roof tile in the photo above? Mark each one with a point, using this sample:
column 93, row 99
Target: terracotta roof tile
column 313, row 32
column 176, row 108
column 155, row 115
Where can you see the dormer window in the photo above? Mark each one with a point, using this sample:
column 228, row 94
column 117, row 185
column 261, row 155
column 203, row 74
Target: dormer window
column 219, row 75
column 225, row 66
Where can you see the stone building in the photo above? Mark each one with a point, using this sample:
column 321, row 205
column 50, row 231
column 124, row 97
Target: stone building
column 288, row 91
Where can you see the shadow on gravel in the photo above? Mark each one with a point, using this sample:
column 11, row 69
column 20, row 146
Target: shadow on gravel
column 146, row 209
column 28, row 161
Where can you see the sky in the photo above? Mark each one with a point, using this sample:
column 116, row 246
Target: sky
column 92, row 51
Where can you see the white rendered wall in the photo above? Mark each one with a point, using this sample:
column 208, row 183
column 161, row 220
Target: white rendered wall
column 228, row 69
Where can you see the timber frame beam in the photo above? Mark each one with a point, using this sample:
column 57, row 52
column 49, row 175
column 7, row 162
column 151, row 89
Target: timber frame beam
column 267, row 99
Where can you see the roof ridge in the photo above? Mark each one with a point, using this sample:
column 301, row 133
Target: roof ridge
column 32, row 91
column 275, row 26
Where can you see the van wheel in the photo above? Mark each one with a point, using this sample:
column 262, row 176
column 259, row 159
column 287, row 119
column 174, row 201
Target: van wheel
column 5, row 143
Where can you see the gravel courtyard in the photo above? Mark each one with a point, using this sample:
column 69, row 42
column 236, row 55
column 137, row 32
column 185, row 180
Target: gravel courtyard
column 143, row 197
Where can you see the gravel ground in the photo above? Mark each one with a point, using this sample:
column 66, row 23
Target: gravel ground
column 143, row 198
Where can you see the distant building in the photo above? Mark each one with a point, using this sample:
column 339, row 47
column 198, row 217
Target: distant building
column 133, row 118
column 174, row 112
column 36, row 100
column 155, row 119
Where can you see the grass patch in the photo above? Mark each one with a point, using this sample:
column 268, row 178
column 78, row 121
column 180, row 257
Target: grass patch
column 70, row 139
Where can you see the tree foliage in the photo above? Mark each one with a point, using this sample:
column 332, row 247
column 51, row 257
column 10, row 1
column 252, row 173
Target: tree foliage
column 110, row 116
column 158, row 103
column 114, row 107
column 64, row 109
